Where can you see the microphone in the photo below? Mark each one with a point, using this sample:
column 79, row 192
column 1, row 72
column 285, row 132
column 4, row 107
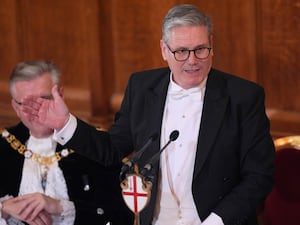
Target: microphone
column 129, row 165
column 148, row 167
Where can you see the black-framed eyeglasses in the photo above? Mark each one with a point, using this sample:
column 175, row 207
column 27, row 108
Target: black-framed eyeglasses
column 183, row 54
column 19, row 103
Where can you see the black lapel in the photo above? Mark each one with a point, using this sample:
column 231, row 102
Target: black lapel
column 155, row 99
column 214, row 107
column 16, row 162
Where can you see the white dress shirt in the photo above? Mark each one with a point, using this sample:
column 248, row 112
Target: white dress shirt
column 183, row 113
column 175, row 203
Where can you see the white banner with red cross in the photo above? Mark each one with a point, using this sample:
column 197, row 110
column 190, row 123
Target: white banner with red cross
column 135, row 193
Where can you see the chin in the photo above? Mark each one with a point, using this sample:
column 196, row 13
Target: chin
column 192, row 83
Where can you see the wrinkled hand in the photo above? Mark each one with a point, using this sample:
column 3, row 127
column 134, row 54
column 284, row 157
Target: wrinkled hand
column 37, row 202
column 53, row 113
column 17, row 208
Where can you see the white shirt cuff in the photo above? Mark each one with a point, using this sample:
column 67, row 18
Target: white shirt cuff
column 68, row 214
column 213, row 219
column 2, row 199
column 65, row 134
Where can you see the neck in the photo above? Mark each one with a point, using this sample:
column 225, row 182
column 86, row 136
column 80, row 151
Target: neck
column 41, row 135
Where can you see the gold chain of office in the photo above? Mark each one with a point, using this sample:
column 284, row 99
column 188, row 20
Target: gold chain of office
column 41, row 160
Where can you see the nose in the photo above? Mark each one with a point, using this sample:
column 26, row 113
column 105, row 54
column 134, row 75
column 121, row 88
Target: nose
column 192, row 58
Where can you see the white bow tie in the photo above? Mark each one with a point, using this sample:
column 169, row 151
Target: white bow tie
column 195, row 94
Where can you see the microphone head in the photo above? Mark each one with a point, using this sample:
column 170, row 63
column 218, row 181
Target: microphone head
column 174, row 135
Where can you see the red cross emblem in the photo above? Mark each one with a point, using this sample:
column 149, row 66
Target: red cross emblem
column 135, row 193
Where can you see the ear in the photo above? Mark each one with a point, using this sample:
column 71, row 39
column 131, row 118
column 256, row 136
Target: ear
column 164, row 50
column 211, row 41
column 15, row 106
column 61, row 91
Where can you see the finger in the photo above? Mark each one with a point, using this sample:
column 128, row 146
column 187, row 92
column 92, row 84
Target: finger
column 36, row 221
column 43, row 111
column 38, row 207
column 30, row 109
column 42, row 219
column 55, row 92
column 45, row 217
column 31, row 101
column 27, row 196
column 32, row 205
column 23, row 204
column 18, row 210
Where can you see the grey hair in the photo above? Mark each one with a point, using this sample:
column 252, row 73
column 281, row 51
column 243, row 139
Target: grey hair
column 184, row 15
column 29, row 70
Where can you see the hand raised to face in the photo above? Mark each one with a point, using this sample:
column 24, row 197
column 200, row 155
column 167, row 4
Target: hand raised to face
column 51, row 112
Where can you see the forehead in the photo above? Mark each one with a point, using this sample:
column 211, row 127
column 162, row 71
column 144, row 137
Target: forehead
column 188, row 36
column 40, row 85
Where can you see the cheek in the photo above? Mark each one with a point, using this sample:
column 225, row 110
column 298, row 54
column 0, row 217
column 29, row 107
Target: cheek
column 25, row 120
column 19, row 114
column 209, row 63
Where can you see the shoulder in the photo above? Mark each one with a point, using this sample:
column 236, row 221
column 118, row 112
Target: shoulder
column 150, row 75
column 149, row 80
column 156, row 71
column 233, row 85
column 19, row 131
column 12, row 139
column 231, row 80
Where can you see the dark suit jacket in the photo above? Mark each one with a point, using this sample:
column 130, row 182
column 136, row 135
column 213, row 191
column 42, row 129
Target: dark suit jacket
column 234, row 161
column 104, row 193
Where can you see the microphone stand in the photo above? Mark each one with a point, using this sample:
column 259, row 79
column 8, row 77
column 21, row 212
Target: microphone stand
column 135, row 190
column 136, row 187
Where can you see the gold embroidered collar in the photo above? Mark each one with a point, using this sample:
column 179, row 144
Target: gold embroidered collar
column 41, row 160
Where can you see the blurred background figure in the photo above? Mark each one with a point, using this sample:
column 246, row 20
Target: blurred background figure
column 55, row 184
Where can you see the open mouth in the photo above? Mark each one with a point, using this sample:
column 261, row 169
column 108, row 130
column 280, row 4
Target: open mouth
column 191, row 70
